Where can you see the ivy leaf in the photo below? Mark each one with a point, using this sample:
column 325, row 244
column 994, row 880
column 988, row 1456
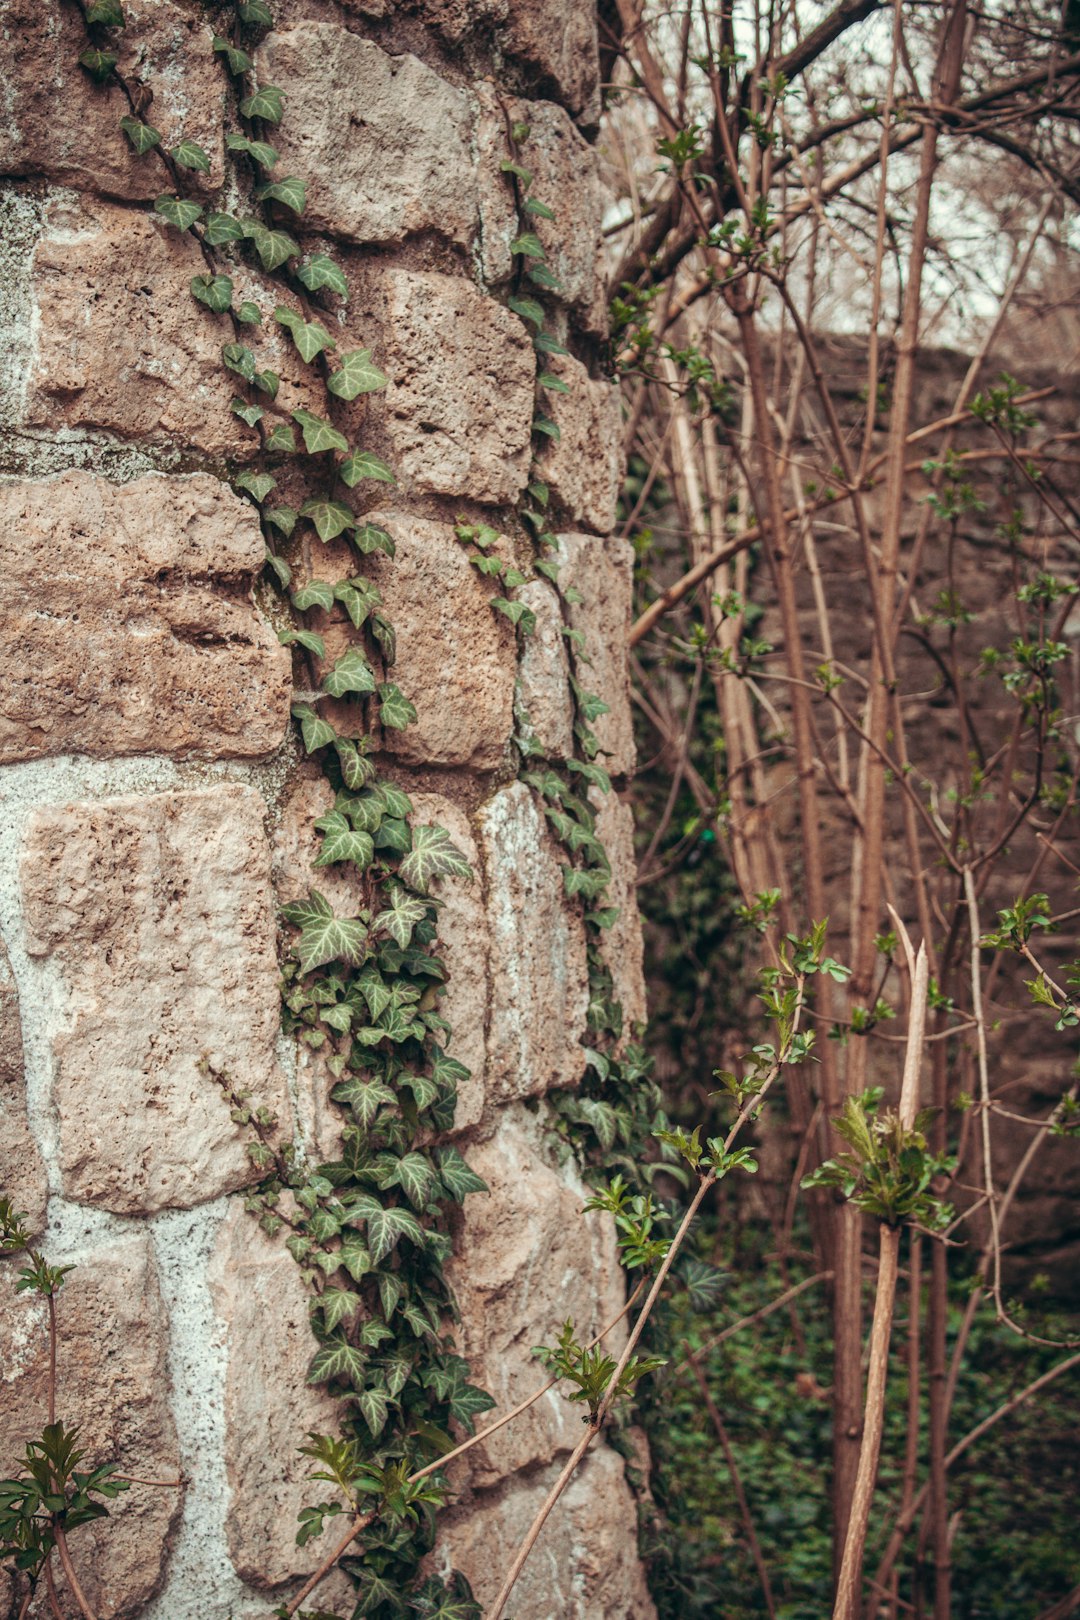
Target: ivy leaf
column 327, row 938
column 310, row 337
column 385, row 1228
column 351, row 673
column 316, row 593
column 529, row 310
column 175, row 211
column 99, row 64
column 541, row 276
column 364, row 464
column 274, row 248
column 528, row 244
column 365, row 1097
column 519, row 613
column 308, row 639
column 518, row 171
column 416, row 1178
column 356, row 768
column 264, row 154
column 213, row 291
column 256, row 14
column 283, row 518
column 341, row 843
column 318, row 436
column 595, row 775
column 374, row 990
column 268, row 103
column 190, row 155
column 554, row 385
column 238, row 61
column 394, row 834
column 375, row 1408
column 143, row 137
column 537, row 209
column 290, row 192
column 357, row 596
column 546, row 344
column 268, row 381
column 107, row 14
column 395, row 710
column 323, row 272
column 240, row 359
column 401, row 917
column 329, row 517
column 222, row 228
column 337, row 1359
column 354, row 1256
column 548, row 567
column 315, row 731
column 282, row 438
column 432, row 856
column 544, row 424
column 250, row 314
column 385, row 635
column 251, row 415
column 458, row 1179
column 357, row 374
column 256, row 483
column 280, row 568
column 371, row 537
column 467, row 1401
column 337, row 1305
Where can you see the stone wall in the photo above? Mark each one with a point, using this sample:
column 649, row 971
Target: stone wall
column 156, row 808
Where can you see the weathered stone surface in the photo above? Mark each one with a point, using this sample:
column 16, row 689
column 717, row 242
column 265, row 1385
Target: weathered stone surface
column 621, row 946
column 584, row 1565
column 269, row 1406
column 584, row 468
column 22, row 1172
column 557, row 40
column 113, row 1385
column 458, row 409
column 56, row 123
column 127, row 622
column 527, row 1259
column 384, row 142
column 602, row 570
column 455, row 655
column 123, row 346
column 158, row 915
column 539, row 990
column 544, row 674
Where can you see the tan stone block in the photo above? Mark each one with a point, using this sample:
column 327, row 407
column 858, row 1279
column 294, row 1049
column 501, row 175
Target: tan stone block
column 584, row 468
column 112, row 1384
column 585, row 1564
column 158, row 916
column 622, row 946
column 557, row 40
column 527, row 1259
column 539, row 989
column 127, row 621
column 602, row 570
column 544, row 675
column 22, row 1172
column 123, row 346
column 270, row 1408
column 59, row 125
column 455, row 655
column 457, row 413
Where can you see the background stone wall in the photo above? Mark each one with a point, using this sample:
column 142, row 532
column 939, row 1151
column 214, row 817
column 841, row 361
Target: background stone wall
column 155, row 808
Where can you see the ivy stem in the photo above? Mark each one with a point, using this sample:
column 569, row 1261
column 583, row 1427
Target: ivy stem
column 50, row 1589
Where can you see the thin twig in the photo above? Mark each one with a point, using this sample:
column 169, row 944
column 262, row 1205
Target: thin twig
column 69, row 1571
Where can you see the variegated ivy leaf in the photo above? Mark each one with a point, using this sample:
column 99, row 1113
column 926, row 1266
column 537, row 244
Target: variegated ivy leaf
column 256, row 483
column 274, row 248
column 315, row 731
column 423, row 1088
column 222, row 228
column 190, row 155
column 364, row 1097
column 331, row 939
column 213, row 291
column 268, row 381
column 283, row 518
column 256, row 14
column 308, row 639
column 264, row 154
column 357, row 374
column 338, row 1359
column 371, row 537
column 400, row 917
column 279, row 567
column 588, row 883
column 323, row 272
column 486, row 565
column 143, row 137
column 458, row 1179
column 514, row 577
column 416, row 1178
column 238, row 61
column 282, row 439
column 310, row 337
column 519, row 613
column 337, row 1305
column 374, row 990
column 367, row 809
column 376, row 1409
column 544, row 424
column 267, row 102
column 240, row 359
column 355, row 1256
column 364, row 464
column 357, row 596
column 300, row 913
column 387, row 1227
column 250, row 314
column 604, row 917
column 175, row 211
column 595, row 775
column 548, row 567
column 356, row 768
column 529, row 310
column 316, row 593
column 432, row 856
column 395, row 710
column 553, row 384
column 341, row 843
column 330, row 518
column 528, row 244
column 395, row 803
column 320, row 435
column 395, row 835
column 351, row 673
column 385, row 635
column 99, row 64
column 538, row 209
column 541, row 276
column 251, row 415
column 107, row 14
column 290, row 192
column 548, row 345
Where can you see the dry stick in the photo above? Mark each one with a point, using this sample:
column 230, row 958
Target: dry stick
column 914, row 1394
column 850, row 1581
column 737, row 1485
column 984, row 1076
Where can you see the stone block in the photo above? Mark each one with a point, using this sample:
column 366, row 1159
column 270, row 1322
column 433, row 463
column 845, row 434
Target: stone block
column 22, row 1171
column 526, row 1260
column 127, row 621
column 584, row 467
column 58, row 125
column 158, row 919
column 584, row 1565
column 270, row 1408
column 122, row 346
column 544, row 675
column 457, row 412
column 602, row 571
column 113, row 1385
column 556, row 41
column 622, row 946
column 539, row 988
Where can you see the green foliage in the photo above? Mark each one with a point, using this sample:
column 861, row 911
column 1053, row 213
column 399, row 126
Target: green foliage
column 590, row 1370
column 890, row 1167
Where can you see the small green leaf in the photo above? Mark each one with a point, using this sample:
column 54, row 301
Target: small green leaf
column 529, row 310
column 539, row 492
column 538, row 209
column 263, row 153
column 238, row 61
column 290, row 192
column 548, row 379
column 357, row 374
column 375, row 1409
column 356, row 768
column 282, row 439
column 364, row 464
column 541, row 276
column 175, row 211
column 387, row 1226
column 316, row 593
column 310, row 337
column 143, row 137
column 337, row 1359
column 107, row 14
column 518, row 171
column 240, row 359
column 323, row 272
column 283, row 518
column 303, row 638
column 458, row 1178
column 331, row 939
column 256, row 14
column 274, row 248
column 371, row 537
column 549, row 345
column 400, row 917
column 256, row 483
column 358, row 596
column 222, row 228
column 337, row 1305
column 318, row 436
column 316, row 731
column 432, row 855
column 279, row 567
column 99, row 64
column 528, row 244
column 395, row 710
column 517, row 612
column 249, row 314
column 268, row 381
column 544, row 424
column 190, row 155
column 330, row 518
column 252, row 415
column 341, row 843
column 268, row 103
column 213, row 291
column 351, row 673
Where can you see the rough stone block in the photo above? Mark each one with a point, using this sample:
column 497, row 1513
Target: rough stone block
column 539, row 988
column 123, row 346
column 621, row 946
column 584, row 467
column 22, row 1172
column 113, row 1385
column 527, row 1259
column 457, row 413
column 557, row 41
column 270, row 1408
column 602, row 570
column 59, row 125
column 584, row 1565
column 158, row 917
column 127, row 621
column 544, row 674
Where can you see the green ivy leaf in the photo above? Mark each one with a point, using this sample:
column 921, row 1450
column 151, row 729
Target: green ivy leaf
column 316, row 593
column 274, row 248
column 175, row 211
column 238, row 61
column 358, row 597
column 256, row 14
column 394, row 834
column 337, row 1359
column 256, row 483
column 541, row 276
column 416, row 1178
column 357, row 374
column 355, row 1256
column 267, row 102
column 323, row 272
column 548, row 567
column 364, row 464
column 99, row 64
column 374, row 990
column 371, row 537
column 143, row 137
column 467, row 1402
column 555, row 385
column 356, row 768
column 546, row 344
column 376, row 1409
column 250, row 314
column 385, row 1228
column 395, row 710
column 307, row 639
column 268, row 381
column 263, row 153
column 240, row 359
column 290, row 192
column 213, row 291
column 316, row 731
column 518, row 171
column 351, row 673
column 544, row 424
column 310, row 337
column 593, row 774
column 222, row 228
column 458, row 1179
column 519, row 613
column 529, row 310
column 341, row 843
column 282, row 439
column 279, row 567
column 327, row 938
column 385, row 635
column 432, row 856
column 319, row 436
column 400, row 917
column 107, row 14
column 539, row 492
column 190, row 155
column 538, row 209
column 251, row 415
column 330, row 518
column 337, row 1305
column 528, row 245
column 366, row 1098
column 283, row 518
